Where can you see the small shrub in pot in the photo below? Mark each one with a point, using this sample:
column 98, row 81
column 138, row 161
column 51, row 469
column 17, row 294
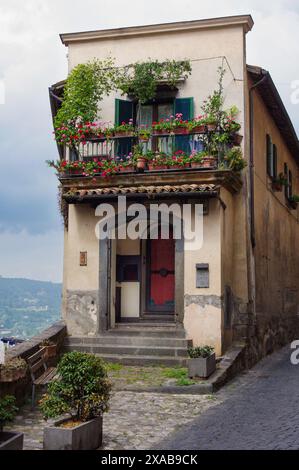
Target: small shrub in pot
column 82, row 391
column 8, row 410
column 202, row 361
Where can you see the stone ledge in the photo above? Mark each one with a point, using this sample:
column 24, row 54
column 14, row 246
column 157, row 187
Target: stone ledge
column 55, row 333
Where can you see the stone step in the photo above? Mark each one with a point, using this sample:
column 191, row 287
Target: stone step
column 121, row 350
column 138, row 341
column 148, row 331
column 144, row 360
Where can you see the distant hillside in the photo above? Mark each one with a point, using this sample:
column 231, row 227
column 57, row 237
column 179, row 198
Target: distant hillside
column 27, row 307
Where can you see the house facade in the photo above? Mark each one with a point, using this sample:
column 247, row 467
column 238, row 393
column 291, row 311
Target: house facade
column 147, row 298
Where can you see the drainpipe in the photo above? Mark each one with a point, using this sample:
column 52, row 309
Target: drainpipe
column 251, row 160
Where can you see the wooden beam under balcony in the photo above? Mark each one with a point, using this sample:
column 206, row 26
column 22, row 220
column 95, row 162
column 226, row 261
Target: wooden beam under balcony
column 225, row 178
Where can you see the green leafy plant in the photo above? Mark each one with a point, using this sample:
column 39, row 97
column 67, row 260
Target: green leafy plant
column 198, row 156
column 125, row 127
column 281, row 180
column 144, row 133
column 85, row 87
column 294, row 198
column 200, row 351
column 82, row 390
column 234, row 159
column 212, row 106
column 8, row 410
column 228, row 120
column 142, row 78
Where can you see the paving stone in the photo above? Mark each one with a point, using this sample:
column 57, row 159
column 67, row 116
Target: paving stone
column 257, row 411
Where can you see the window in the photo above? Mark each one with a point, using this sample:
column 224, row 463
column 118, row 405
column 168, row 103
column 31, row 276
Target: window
column 290, row 185
column 288, row 189
column 274, row 170
column 271, row 157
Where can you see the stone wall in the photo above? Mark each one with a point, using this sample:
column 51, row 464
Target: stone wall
column 22, row 387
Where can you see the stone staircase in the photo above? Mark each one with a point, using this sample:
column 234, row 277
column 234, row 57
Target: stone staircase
column 135, row 344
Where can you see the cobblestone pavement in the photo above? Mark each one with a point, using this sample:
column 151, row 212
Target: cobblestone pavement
column 135, row 420
column 259, row 410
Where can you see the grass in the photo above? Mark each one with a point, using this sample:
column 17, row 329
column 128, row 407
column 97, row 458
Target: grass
column 150, row 376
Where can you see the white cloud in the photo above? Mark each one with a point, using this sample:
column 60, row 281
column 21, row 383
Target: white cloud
column 32, row 58
column 32, row 256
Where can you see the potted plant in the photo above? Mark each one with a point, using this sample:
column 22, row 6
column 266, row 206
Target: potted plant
column 178, row 126
column 139, row 157
column 8, row 410
column 230, row 125
column 234, row 159
column 144, row 134
column 164, row 126
column 210, row 122
column 202, row 362
column 196, row 159
column 13, row 369
column 209, row 161
column 82, row 391
column 293, row 201
column 127, row 165
column 125, row 129
column 50, row 348
column 158, row 162
column 279, row 182
column 197, row 125
column 178, row 161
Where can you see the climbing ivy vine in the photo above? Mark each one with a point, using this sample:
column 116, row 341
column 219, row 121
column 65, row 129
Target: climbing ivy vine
column 142, row 78
column 88, row 83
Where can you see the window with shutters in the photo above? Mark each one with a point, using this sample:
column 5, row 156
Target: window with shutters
column 271, row 157
column 288, row 189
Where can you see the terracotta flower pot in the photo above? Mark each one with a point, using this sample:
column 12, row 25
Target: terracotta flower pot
column 199, row 129
column 277, row 187
column 237, row 139
column 123, row 134
column 211, row 127
column 157, row 167
column 209, row 162
column 144, row 139
column 180, row 130
column 127, row 169
column 160, row 132
column 51, row 351
column 141, row 163
column 196, row 164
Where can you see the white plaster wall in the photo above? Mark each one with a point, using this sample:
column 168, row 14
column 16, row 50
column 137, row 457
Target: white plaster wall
column 81, row 237
column 206, row 47
column 203, row 314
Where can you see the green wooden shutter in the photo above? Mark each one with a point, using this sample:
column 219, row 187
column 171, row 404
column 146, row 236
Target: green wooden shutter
column 274, row 163
column 286, row 175
column 123, row 113
column 269, row 146
column 186, row 107
column 290, row 187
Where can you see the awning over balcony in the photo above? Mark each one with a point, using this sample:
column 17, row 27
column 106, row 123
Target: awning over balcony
column 207, row 190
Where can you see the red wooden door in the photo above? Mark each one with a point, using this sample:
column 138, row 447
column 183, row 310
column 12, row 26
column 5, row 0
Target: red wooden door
column 161, row 275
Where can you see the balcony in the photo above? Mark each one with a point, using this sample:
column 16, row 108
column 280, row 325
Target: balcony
column 174, row 158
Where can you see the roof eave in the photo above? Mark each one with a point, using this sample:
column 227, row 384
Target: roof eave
column 163, row 28
column 274, row 103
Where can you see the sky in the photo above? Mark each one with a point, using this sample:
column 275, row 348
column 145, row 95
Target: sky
column 32, row 58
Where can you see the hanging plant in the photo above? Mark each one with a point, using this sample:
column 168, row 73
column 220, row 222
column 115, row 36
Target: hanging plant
column 85, row 87
column 142, row 78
